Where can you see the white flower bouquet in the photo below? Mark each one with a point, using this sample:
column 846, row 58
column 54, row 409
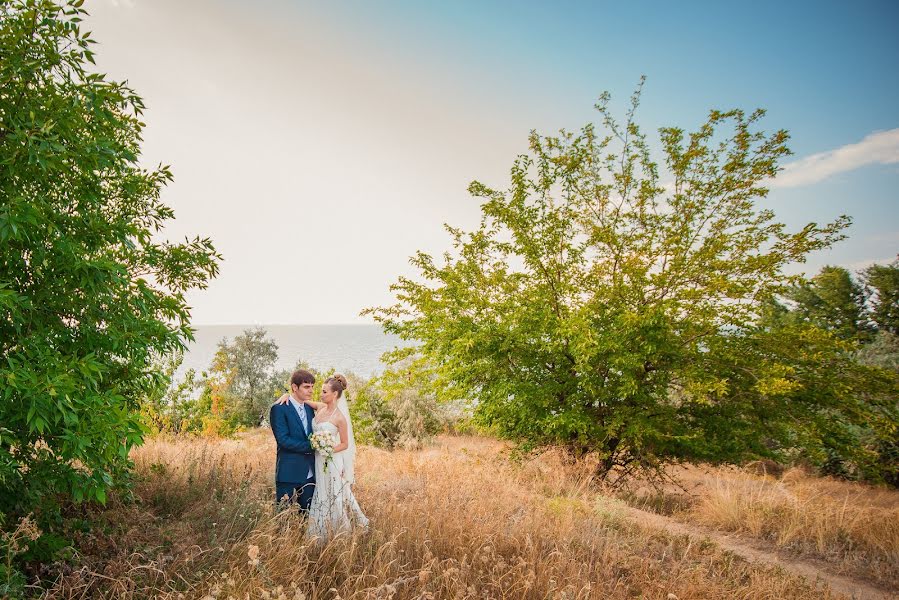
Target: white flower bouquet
column 323, row 442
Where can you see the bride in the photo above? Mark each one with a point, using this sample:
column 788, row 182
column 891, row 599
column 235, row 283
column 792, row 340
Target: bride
column 334, row 507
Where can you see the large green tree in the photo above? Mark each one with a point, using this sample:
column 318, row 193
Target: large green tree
column 90, row 293
column 592, row 305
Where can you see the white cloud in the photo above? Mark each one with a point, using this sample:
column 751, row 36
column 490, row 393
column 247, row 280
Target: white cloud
column 861, row 265
column 876, row 148
column 880, row 148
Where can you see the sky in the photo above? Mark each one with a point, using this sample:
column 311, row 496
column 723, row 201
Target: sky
column 320, row 144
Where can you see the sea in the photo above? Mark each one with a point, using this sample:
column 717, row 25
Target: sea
column 345, row 348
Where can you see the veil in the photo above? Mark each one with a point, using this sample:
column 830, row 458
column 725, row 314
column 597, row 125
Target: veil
column 349, row 455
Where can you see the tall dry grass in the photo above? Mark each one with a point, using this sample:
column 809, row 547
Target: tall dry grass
column 456, row 520
column 853, row 527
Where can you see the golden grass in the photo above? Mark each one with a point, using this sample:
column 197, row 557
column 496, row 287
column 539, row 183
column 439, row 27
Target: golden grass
column 853, row 527
column 455, row 520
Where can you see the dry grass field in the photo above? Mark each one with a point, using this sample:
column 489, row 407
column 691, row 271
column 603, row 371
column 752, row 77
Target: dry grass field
column 460, row 520
column 851, row 529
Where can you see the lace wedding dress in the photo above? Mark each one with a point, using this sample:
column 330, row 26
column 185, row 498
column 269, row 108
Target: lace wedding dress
column 334, row 508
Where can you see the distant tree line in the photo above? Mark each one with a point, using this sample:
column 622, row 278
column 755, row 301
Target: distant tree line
column 240, row 385
column 863, row 307
column 863, row 312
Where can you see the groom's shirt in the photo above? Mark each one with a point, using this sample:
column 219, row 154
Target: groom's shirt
column 307, row 427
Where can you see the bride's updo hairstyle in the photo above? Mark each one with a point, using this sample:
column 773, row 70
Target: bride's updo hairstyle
column 338, row 383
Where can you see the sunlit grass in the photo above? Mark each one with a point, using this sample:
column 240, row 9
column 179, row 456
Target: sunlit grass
column 853, row 527
column 455, row 520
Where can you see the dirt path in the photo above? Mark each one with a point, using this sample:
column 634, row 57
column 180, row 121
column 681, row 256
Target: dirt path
column 851, row 588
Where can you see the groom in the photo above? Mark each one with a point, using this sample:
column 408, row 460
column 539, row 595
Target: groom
column 291, row 425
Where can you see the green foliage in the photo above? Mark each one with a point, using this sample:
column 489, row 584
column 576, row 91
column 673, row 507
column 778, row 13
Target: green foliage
column 589, row 306
column 883, row 351
column 863, row 446
column 247, row 365
column 395, row 409
column 374, row 421
column 88, row 293
column 882, row 283
column 240, row 386
column 833, row 301
column 882, row 433
column 172, row 407
column 408, row 390
column 802, row 389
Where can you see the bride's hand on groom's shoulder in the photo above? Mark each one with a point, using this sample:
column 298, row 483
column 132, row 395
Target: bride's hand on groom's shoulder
column 283, row 399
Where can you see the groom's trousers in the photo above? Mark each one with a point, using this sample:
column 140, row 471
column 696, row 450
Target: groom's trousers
column 301, row 493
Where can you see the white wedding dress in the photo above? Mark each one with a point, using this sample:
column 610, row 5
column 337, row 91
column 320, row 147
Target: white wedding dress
column 333, row 508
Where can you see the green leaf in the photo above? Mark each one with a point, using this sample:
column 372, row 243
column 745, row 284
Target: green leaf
column 76, row 333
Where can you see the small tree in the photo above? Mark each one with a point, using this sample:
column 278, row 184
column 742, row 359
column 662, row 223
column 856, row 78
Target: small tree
column 581, row 310
column 172, row 406
column 88, row 293
column 407, row 389
column 883, row 351
column 850, row 427
column 374, row 419
column 247, row 364
column 797, row 391
column 832, row 300
column 882, row 282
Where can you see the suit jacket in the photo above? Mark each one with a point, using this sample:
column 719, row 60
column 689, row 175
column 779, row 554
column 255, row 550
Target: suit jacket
column 295, row 455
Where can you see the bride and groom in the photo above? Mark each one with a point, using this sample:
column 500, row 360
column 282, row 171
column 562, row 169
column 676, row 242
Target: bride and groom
column 321, row 482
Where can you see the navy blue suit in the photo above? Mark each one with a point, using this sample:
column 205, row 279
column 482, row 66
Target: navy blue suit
column 296, row 459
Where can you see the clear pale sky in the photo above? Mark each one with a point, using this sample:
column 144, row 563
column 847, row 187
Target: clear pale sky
column 320, row 144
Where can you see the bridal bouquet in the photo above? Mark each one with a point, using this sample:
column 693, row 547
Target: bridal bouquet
column 323, row 442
